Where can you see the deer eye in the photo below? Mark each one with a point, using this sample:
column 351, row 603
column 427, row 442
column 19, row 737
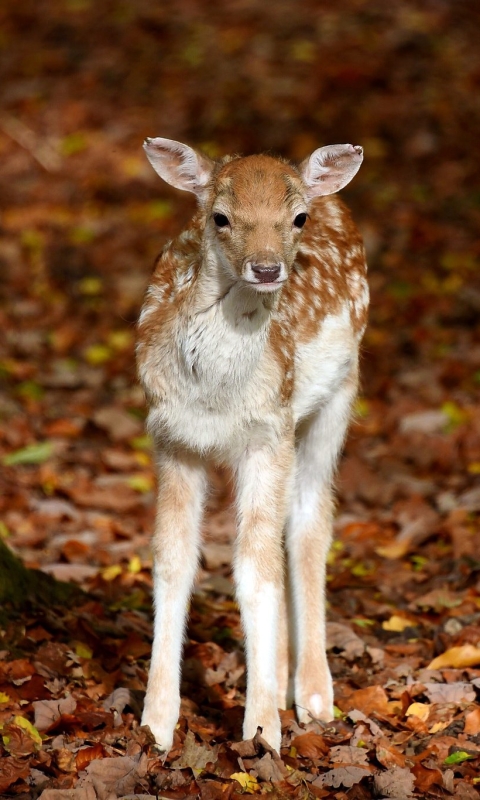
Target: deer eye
column 300, row 220
column 221, row 221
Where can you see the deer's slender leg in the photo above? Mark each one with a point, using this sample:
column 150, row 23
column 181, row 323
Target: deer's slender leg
column 308, row 541
column 181, row 489
column 263, row 488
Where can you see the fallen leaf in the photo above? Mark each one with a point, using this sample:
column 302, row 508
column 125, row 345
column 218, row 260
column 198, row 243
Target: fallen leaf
column 349, row 755
column 195, row 756
column 420, row 710
column 248, row 783
column 425, row 777
column 472, row 722
column 32, row 454
column 397, row 783
column 467, row 655
column 372, row 699
column 458, row 757
column 397, row 624
column 458, row 692
column 87, row 754
column 119, row 775
column 342, row 776
column 310, row 745
column 342, row 638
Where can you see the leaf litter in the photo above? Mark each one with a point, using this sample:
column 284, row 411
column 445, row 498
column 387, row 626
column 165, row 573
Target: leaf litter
column 82, row 221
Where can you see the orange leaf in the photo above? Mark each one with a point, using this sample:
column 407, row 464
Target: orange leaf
column 465, row 656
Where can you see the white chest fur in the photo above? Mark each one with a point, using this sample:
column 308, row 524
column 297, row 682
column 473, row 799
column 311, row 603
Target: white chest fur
column 218, row 388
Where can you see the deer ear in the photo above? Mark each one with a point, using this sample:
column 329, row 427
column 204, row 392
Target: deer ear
column 330, row 168
column 179, row 165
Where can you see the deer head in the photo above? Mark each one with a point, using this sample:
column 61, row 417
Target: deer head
column 255, row 207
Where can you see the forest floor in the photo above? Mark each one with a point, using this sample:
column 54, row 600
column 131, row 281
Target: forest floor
column 82, row 218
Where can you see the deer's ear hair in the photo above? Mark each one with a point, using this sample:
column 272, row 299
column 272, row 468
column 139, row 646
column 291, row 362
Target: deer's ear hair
column 330, row 168
column 179, row 165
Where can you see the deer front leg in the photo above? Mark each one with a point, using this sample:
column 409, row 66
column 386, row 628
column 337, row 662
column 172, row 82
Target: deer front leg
column 175, row 545
column 308, row 542
column 263, row 482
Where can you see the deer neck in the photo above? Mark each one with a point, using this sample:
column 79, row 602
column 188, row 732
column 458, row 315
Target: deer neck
column 219, row 292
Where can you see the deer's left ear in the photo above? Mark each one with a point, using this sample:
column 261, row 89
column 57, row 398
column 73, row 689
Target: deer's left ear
column 330, row 168
column 179, row 165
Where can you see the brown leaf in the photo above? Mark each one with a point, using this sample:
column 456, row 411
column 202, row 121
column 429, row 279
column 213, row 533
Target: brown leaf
column 119, row 775
column 117, row 423
column 372, row 699
column 310, row 745
column 389, row 756
column 397, row 783
column 342, row 776
column 459, row 692
column 84, row 792
column 342, row 637
column 47, row 712
column 87, row 754
column 472, row 723
column 12, row 770
column 195, row 756
column 269, row 768
column 349, row 755
column 425, row 777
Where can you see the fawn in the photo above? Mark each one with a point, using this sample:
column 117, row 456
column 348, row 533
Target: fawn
column 248, row 354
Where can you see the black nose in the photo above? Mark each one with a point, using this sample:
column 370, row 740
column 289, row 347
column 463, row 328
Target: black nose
column 266, row 273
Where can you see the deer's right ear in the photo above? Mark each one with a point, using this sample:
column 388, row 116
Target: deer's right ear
column 179, row 165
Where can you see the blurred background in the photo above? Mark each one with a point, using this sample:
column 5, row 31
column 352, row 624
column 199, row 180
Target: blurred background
column 83, row 216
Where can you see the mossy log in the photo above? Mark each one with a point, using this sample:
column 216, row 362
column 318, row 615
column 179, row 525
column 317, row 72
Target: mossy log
column 21, row 587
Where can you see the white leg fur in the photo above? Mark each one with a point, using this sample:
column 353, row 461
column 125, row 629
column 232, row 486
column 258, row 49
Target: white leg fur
column 181, row 489
column 263, row 478
column 308, row 541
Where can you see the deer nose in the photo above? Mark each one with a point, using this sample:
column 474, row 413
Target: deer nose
column 266, row 273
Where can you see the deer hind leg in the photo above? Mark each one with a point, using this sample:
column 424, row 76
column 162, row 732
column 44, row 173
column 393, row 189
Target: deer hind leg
column 263, row 482
column 175, row 545
column 308, row 542
column 284, row 648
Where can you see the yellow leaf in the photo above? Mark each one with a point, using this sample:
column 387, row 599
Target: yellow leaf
column 91, row 286
column 459, row 657
column 97, row 354
column 420, row 710
column 135, row 565
column 110, row 573
column 22, row 722
column 246, row 781
column 4, row 698
column 397, row 624
column 438, row 726
column 393, row 550
column 141, row 483
column 83, row 650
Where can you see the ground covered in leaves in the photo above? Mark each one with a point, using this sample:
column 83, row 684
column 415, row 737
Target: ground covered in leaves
column 82, row 217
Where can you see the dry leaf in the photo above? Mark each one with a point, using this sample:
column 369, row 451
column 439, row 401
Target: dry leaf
column 349, row 755
column 472, row 722
column 247, row 782
column 420, row 710
column 310, row 745
column 397, row 783
column 467, row 655
column 372, row 699
column 397, row 624
column 342, row 776
column 196, row 756
column 458, row 692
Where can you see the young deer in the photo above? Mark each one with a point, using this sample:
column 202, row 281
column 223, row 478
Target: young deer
column 248, row 354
